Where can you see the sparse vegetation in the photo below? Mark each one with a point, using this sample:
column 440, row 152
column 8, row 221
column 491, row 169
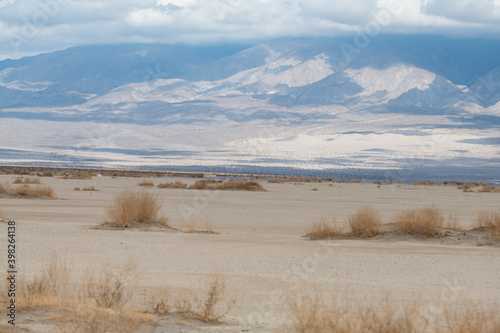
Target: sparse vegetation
column 323, row 229
column 206, row 184
column 176, row 184
column 210, row 307
column 159, row 302
column 147, row 183
column 77, row 175
column 77, row 189
column 419, row 222
column 38, row 191
column 131, row 208
column 89, row 188
column 27, row 180
column 27, row 191
column 231, row 184
column 365, row 223
column 488, row 188
column 315, row 315
column 109, row 289
column 489, row 221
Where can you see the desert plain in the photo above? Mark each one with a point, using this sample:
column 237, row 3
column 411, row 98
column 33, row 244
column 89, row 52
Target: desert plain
column 255, row 242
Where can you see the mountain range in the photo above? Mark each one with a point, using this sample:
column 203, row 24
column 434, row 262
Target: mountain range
column 395, row 107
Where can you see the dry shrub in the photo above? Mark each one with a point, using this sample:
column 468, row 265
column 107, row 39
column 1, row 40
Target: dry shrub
column 77, row 175
column 48, row 289
column 85, row 318
column 109, row 289
column 37, row 191
column 275, row 181
column 489, row 188
column 77, row 189
column 6, row 188
column 469, row 319
column 231, row 184
column 211, row 306
column 365, row 223
column 204, row 184
column 421, row 222
column 132, row 208
column 241, row 184
column 176, row 184
column 489, row 221
column 323, row 229
column 27, row 180
column 314, row 315
column 147, row 183
column 89, row 188
column 158, row 303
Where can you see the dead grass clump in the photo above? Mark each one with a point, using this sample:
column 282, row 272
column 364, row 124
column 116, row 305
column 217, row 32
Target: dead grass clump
column 48, row 289
column 77, row 189
column 242, row 185
column 37, row 191
column 77, row 175
column 158, row 303
column 365, row 223
column 419, row 222
column 489, row 188
column 89, row 188
column 323, row 229
column 205, row 184
column 147, row 183
column 275, row 181
column 176, row 184
column 211, row 306
column 489, row 221
column 27, row 180
column 314, row 315
column 132, row 208
column 109, row 289
column 6, row 188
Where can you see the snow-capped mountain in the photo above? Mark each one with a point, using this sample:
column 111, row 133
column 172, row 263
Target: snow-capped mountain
column 309, row 103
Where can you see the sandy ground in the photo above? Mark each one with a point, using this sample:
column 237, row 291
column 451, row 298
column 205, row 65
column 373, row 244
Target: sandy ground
column 260, row 248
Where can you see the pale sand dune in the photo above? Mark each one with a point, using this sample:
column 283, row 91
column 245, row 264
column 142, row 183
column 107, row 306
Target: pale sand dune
column 260, row 249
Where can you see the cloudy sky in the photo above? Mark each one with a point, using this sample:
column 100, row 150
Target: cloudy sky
column 30, row 27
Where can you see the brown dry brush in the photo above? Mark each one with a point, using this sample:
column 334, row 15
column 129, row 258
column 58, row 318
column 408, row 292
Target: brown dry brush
column 422, row 222
column 490, row 222
column 365, row 223
column 314, row 315
column 131, row 208
column 231, row 184
column 324, row 229
column 27, row 191
column 176, row 184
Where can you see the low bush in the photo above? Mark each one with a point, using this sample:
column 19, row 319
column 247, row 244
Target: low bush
column 365, row 223
column 419, row 222
column 132, row 208
column 323, row 229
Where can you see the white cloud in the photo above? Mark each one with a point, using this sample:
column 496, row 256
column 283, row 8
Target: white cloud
column 479, row 11
column 72, row 22
column 149, row 17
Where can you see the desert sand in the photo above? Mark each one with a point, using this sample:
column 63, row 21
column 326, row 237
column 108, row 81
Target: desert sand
column 260, row 249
